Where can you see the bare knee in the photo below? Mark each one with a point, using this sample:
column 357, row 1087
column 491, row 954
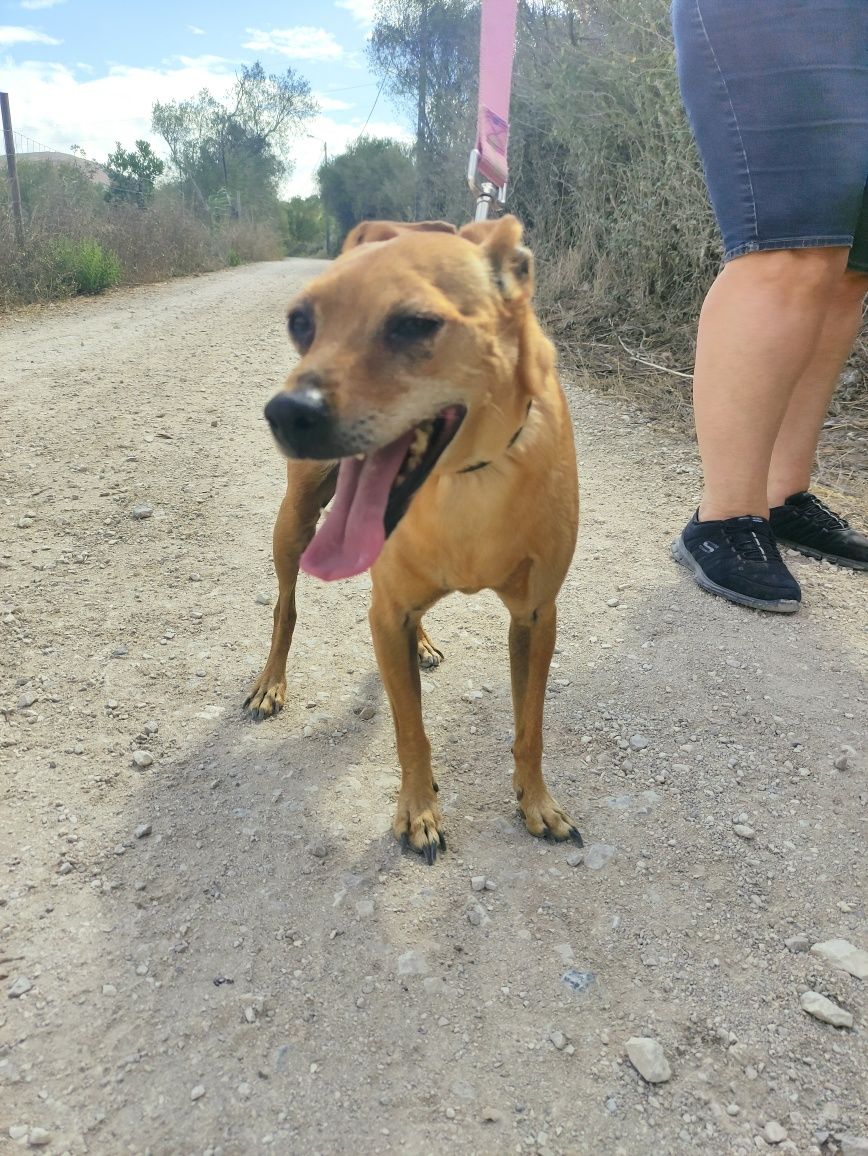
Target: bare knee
column 807, row 274
column 853, row 287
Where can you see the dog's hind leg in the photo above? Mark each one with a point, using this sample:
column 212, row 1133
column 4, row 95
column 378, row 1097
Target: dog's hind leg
column 429, row 655
column 531, row 646
column 417, row 818
column 310, row 485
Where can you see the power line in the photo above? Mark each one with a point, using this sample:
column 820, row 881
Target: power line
column 373, row 106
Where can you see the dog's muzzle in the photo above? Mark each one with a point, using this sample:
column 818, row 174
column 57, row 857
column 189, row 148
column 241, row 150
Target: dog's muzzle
column 302, row 423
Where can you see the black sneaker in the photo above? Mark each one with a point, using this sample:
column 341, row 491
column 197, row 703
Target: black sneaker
column 810, row 527
column 739, row 560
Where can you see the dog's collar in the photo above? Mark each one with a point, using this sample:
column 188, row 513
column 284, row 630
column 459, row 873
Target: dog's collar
column 509, row 444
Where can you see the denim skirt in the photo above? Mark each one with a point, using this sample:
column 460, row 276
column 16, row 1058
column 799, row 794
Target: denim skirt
column 777, row 96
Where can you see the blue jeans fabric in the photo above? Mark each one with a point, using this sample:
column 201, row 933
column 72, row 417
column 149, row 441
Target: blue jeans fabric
column 776, row 93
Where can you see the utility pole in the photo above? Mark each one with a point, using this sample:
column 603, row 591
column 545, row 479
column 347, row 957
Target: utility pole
column 14, row 190
column 328, row 240
column 422, row 118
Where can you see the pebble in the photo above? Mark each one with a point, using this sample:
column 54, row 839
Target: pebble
column 18, row 1132
column 20, row 987
column 477, row 882
column 744, row 831
column 774, row 1133
column 598, row 855
column 476, row 915
column 412, row 962
column 143, row 830
column 27, row 699
column 367, row 712
column 263, row 599
column 143, row 758
column 197, row 1093
column 142, row 511
column 613, row 602
column 578, row 980
column 638, row 742
column 491, row 1115
column 38, row 1138
column 820, row 1008
column 646, row 1056
column 797, row 943
column 558, row 1039
column 853, row 1145
column 842, row 954
column 575, row 858
column 319, row 850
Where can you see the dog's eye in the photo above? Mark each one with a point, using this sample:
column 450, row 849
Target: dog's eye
column 411, row 328
column 301, row 328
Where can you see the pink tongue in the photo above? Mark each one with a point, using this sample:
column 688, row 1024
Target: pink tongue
column 352, row 536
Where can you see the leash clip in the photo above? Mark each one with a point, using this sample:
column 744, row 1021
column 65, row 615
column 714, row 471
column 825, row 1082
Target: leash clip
column 487, row 192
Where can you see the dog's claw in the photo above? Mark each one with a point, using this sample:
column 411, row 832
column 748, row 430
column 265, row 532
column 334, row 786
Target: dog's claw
column 576, row 837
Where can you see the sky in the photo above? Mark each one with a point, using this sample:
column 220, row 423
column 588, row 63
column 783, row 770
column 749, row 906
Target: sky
column 86, row 72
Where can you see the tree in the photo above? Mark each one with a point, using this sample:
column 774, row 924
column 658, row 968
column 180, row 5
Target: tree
column 304, row 225
column 374, row 178
column 133, row 174
column 427, row 55
column 235, row 153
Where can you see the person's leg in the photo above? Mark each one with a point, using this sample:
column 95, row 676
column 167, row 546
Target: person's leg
column 796, row 444
column 758, row 332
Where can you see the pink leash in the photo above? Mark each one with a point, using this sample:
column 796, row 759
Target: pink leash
column 487, row 172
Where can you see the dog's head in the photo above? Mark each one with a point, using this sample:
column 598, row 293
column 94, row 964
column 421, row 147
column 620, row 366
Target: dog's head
column 413, row 355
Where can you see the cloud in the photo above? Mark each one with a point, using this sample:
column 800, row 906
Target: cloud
column 329, row 104
column 57, row 106
column 10, row 34
column 302, row 43
column 196, row 31
column 363, row 11
column 33, row 5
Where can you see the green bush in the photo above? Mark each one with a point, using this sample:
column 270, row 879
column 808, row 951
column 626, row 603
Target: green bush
column 232, row 259
column 85, row 267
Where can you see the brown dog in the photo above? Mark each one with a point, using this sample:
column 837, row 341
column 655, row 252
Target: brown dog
column 424, row 372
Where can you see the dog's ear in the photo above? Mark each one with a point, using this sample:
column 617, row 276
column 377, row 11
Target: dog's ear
column 369, row 231
column 511, row 263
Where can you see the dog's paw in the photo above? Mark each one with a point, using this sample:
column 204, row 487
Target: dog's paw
column 266, row 697
column 545, row 819
column 418, row 828
column 429, row 655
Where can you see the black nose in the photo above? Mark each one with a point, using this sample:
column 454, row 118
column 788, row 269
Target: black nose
column 302, row 423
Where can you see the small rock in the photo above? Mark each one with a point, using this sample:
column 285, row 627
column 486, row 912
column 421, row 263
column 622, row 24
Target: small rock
column 575, row 858
column 38, row 1138
column 598, row 855
column 477, row 882
column 558, row 1039
column 578, row 980
column 197, row 1093
column 732, row 1109
column 319, row 849
column 842, row 954
column 143, row 758
column 491, row 1115
column 18, row 1132
column 820, row 1008
column 842, row 763
column 412, row 962
column 65, row 868
column 744, row 831
column 774, row 1133
column 433, row 985
column 263, row 599
column 143, row 830
column 797, row 943
column 27, row 699
column 638, row 742
column 151, row 727
column 142, row 511
column 476, row 915
column 850, row 1145
column 367, row 712
column 20, row 987
column 613, row 602
column 646, row 1056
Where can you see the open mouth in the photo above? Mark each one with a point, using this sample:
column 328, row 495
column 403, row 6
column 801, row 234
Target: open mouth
column 373, row 494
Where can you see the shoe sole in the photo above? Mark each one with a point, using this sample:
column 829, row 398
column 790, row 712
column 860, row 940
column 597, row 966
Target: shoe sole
column 848, row 563
column 775, row 606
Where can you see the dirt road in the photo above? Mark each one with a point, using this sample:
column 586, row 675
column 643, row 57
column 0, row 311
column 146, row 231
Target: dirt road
column 209, row 941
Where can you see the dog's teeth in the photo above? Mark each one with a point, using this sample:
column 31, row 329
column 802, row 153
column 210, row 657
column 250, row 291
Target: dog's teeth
column 360, row 457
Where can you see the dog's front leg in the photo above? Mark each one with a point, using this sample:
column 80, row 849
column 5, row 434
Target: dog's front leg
column 310, row 485
column 531, row 646
column 417, row 818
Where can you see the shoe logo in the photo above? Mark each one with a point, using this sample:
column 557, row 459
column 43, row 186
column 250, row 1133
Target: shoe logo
column 708, row 547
